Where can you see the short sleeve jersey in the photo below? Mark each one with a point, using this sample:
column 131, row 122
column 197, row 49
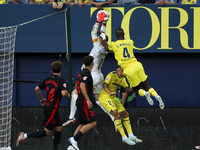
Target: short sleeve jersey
column 113, row 82
column 85, row 77
column 123, row 51
column 53, row 85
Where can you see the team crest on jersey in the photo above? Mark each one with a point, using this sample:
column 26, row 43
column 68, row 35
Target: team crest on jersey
column 107, row 78
column 65, row 85
column 84, row 78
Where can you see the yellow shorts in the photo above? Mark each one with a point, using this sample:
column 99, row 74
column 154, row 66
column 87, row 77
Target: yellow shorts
column 135, row 74
column 111, row 104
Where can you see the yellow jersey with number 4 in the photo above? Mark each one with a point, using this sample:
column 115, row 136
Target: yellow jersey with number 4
column 123, row 51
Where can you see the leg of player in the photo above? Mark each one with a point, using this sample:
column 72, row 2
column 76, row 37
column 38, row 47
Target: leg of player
column 70, row 148
column 57, row 137
column 197, row 147
column 148, row 88
column 125, row 139
column 143, row 93
column 79, row 132
column 73, row 109
column 35, row 134
column 127, row 125
column 99, row 103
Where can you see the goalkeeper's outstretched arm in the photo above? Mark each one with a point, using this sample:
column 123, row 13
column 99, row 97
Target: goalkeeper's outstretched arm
column 103, row 36
column 94, row 32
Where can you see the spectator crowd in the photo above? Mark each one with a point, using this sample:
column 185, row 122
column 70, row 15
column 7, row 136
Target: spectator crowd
column 58, row 4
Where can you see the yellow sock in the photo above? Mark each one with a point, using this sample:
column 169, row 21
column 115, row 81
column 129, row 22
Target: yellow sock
column 141, row 92
column 153, row 92
column 127, row 125
column 120, row 127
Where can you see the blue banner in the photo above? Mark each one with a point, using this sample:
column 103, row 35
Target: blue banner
column 168, row 29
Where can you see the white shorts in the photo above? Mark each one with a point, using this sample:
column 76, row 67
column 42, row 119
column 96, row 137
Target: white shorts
column 98, row 80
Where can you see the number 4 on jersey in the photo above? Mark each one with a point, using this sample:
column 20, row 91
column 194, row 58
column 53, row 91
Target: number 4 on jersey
column 125, row 52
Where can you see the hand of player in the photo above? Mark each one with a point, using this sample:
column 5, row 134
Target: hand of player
column 89, row 103
column 43, row 101
column 113, row 93
column 101, row 16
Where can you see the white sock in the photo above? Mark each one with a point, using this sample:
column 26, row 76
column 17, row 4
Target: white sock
column 125, row 137
column 99, row 103
column 73, row 107
column 25, row 135
column 157, row 96
column 130, row 135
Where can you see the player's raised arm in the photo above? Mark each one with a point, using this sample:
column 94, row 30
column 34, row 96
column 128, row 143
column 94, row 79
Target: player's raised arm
column 103, row 36
column 94, row 32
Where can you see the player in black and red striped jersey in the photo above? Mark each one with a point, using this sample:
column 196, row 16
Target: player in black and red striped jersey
column 56, row 88
column 87, row 120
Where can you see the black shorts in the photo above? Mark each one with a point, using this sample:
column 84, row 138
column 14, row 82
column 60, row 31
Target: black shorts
column 52, row 118
column 86, row 115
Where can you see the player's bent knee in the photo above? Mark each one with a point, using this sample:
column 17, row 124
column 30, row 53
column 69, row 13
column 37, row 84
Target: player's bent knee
column 59, row 128
column 127, row 114
column 117, row 117
column 48, row 132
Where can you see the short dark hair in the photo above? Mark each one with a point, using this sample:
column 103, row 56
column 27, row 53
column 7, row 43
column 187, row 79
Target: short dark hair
column 87, row 60
column 119, row 32
column 56, row 66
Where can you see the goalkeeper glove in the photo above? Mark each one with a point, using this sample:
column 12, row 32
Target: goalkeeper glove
column 100, row 16
column 106, row 18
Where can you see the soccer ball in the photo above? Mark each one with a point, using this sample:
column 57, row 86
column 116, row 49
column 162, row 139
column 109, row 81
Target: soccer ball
column 100, row 14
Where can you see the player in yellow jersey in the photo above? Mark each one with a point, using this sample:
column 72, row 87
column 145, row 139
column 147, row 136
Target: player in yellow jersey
column 133, row 70
column 110, row 102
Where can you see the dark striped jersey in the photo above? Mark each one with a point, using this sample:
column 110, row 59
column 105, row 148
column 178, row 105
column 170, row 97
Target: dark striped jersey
column 53, row 85
column 85, row 77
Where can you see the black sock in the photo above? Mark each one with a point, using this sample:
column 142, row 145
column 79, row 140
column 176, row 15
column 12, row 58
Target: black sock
column 56, row 140
column 36, row 134
column 78, row 136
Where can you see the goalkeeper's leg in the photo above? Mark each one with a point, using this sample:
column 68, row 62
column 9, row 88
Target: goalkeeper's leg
column 73, row 109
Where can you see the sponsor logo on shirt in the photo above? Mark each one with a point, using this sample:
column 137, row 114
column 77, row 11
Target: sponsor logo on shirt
column 84, row 78
column 65, row 85
column 107, row 78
